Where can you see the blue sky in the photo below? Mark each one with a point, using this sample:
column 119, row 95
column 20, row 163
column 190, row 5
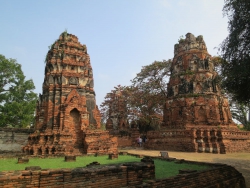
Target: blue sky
column 121, row 35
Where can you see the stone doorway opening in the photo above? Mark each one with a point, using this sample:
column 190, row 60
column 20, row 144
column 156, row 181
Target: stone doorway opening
column 75, row 117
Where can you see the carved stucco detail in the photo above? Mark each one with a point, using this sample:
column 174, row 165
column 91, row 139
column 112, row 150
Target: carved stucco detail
column 73, row 81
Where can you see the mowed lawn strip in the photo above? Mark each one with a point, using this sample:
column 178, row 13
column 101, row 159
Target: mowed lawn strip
column 163, row 169
column 55, row 163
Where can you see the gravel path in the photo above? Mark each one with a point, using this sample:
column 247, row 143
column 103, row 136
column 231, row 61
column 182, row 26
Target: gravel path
column 241, row 161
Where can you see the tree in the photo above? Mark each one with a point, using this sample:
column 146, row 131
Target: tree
column 235, row 49
column 114, row 104
column 241, row 113
column 17, row 99
column 148, row 94
column 143, row 101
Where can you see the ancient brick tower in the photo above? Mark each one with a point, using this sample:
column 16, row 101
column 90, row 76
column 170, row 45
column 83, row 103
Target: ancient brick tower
column 67, row 118
column 194, row 97
column 117, row 116
column 196, row 114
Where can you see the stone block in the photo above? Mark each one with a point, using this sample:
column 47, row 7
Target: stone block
column 22, row 160
column 70, row 158
column 164, row 154
column 113, row 156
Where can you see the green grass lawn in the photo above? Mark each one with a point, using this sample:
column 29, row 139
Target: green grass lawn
column 163, row 169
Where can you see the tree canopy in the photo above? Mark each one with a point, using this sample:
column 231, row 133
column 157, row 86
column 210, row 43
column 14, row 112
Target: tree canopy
column 17, row 99
column 235, row 49
column 149, row 92
column 240, row 112
column 145, row 97
column 112, row 100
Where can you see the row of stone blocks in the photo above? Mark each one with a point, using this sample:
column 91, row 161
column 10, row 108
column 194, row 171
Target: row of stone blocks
column 67, row 158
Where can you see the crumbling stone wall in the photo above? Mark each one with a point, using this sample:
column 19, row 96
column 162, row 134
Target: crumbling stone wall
column 199, row 140
column 13, row 139
column 126, row 138
column 123, row 175
column 171, row 140
column 130, row 174
column 125, row 141
column 221, row 176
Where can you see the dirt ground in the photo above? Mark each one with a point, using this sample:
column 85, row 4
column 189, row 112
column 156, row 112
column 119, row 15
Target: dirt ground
column 240, row 161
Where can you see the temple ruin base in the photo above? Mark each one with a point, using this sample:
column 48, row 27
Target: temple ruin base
column 212, row 140
column 62, row 143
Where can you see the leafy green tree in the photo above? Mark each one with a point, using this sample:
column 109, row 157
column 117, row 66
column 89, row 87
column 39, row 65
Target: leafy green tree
column 148, row 94
column 17, row 99
column 241, row 113
column 114, row 102
column 145, row 98
column 235, row 49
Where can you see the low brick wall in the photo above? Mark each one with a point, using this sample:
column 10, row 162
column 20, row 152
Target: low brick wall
column 125, row 141
column 222, row 176
column 126, row 138
column 200, row 140
column 236, row 141
column 171, row 140
column 129, row 174
column 123, row 175
column 13, row 139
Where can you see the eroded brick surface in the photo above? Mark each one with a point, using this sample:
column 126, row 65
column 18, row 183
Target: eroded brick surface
column 139, row 174
column 197, row 116
column 67, row 117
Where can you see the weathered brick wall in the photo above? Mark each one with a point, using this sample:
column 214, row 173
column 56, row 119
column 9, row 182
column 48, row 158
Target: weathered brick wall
column 13, row 139
column 125, row 141
column 123, row 175
column 126, row 138
column 236, row 141
column 106, row 176
column 199, row 140
column 222, row 176
column 173, row 140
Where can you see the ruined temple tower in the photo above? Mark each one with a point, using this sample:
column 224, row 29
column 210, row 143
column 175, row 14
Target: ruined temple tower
column 194, row 96
column 117, row 113
column 67, row 118
column 196, row 113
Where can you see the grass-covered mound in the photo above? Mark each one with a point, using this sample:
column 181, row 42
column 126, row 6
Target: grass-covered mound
column 163, row 169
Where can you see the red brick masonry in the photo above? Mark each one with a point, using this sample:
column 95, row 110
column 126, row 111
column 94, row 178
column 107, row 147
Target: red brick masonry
column 197, row 115
column 122, row 175
column 67, row 118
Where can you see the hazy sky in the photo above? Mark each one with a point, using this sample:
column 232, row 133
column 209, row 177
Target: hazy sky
column 121, row 35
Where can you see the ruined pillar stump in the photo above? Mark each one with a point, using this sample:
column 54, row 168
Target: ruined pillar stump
column 70, row 158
